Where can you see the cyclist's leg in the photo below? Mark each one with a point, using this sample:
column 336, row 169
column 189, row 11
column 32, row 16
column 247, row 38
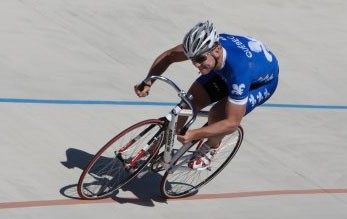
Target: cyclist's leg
column 203, row 92
column 258, row 95
column 200, row 100
column 216, row 114
column 217, row 91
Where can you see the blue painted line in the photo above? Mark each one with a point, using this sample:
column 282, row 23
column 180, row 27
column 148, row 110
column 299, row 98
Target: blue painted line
column 145, row 103
column 84, row 102
column 303, row 106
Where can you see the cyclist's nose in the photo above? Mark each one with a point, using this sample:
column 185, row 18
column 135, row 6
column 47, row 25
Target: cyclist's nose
column 200, row 66
column 197, row 64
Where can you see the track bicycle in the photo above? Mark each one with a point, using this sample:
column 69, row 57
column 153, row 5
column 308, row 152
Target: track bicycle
column 149, row 146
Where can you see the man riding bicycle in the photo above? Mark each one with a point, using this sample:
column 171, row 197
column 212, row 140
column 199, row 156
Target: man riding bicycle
column 237, row 74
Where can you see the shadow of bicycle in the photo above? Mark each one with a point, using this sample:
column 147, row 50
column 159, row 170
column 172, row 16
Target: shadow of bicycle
column 145, row 189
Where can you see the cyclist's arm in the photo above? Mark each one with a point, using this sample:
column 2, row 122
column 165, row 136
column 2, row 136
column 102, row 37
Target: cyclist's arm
column 159, row 66
column 164, row 60
column 234, row 115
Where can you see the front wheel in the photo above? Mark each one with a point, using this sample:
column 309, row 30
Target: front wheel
column 181, row 180
column 120, row 160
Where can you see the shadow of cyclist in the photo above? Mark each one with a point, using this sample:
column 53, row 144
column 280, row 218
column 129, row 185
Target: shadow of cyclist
column 145, row 189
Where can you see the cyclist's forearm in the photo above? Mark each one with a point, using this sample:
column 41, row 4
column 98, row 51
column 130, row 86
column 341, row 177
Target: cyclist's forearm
column 222, row 127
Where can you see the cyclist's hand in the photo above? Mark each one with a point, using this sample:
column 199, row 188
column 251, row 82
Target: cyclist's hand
column 142, row 89
column 187, row 137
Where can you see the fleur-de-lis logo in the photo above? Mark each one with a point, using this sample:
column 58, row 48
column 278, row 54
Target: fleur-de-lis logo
column 238, row 89
column 265, row 79
column 260, row 96
column 266, row 93
column 252, row 100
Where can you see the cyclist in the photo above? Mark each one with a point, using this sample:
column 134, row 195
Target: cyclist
column 237, row 73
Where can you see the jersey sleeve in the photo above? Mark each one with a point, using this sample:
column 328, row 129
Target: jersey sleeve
column 239, row 86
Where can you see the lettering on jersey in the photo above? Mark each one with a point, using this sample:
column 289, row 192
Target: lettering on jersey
column 242, row 46
column 238, row 89
column 253, row 46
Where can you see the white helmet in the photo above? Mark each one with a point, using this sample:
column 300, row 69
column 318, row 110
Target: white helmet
column 201, row 38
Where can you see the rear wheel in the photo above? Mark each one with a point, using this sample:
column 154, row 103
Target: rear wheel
column 181, row 180
column 120, row 160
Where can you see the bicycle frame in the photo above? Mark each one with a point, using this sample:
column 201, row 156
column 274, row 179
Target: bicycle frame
column 169, row 159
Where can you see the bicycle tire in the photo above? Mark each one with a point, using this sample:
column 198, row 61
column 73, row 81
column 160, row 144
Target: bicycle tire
column 108, row 170
column 185, row 181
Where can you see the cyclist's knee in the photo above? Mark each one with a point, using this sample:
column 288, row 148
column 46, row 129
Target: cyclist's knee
column 217, row 111
column 201, row 99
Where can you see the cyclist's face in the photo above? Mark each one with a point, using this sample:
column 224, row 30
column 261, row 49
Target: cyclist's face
column 205, row 63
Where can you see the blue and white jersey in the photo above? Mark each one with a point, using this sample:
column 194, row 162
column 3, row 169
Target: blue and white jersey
column 246, row 63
